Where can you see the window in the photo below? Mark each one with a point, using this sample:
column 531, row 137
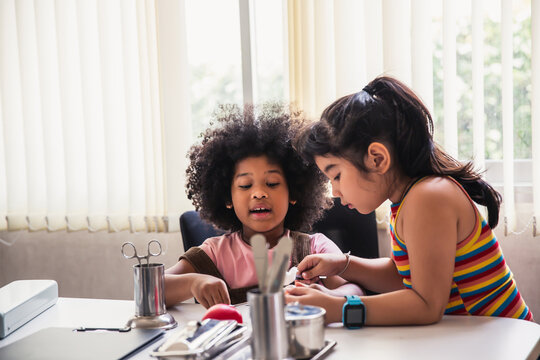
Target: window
column 213, row 50
column 215, row 55
column 471, row 61
column 118, row 91
column 491, row 48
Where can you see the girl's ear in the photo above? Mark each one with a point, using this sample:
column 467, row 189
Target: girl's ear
column 378, row 158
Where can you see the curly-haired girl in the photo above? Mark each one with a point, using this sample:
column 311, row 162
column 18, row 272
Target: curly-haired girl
column 245, row 177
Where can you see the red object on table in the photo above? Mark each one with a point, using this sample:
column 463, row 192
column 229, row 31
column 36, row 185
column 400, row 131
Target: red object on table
column 223, row 312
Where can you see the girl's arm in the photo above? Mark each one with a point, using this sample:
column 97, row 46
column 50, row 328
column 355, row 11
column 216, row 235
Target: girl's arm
column 378, row 275
column 401, row 307
column 430, row 229
column 182, row 283
column 337, row 286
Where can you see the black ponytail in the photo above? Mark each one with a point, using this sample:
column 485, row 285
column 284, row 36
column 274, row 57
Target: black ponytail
column 387, row 111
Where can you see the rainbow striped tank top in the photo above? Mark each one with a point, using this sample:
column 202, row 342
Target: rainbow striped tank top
column 482, row 283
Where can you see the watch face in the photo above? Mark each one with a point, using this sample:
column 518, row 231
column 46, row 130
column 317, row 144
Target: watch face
column 354, row 316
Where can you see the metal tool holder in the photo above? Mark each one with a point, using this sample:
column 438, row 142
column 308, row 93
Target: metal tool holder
column 149, row 284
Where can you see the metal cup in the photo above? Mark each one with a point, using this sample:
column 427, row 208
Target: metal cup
column 306, row 329
column 150, row 311
column 270, row 338
column 149, row 284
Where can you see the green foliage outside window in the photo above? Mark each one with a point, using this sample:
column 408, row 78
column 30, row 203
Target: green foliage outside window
column 492, row 89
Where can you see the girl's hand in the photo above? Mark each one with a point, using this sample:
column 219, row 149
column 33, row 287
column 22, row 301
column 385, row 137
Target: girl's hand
column 210, row 290
column 321, row 288
column 321, row 264
column 309, row 295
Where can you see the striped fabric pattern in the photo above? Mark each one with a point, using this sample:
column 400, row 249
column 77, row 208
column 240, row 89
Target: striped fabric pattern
column 482, row 282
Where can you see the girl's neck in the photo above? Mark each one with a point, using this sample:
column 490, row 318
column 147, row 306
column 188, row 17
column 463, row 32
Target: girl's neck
column 272, row 236
column 399, row 189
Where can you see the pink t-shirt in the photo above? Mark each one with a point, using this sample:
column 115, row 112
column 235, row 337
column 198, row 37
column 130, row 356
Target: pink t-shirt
column 234, row 258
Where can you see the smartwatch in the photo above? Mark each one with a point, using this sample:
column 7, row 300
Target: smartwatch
column 354, row 312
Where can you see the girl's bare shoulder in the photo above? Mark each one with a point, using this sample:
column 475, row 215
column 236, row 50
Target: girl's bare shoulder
column 436, row 192
column 436, row 186
column 439, row 202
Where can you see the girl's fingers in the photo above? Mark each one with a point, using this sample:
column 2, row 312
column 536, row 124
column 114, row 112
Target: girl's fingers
column 316, row 286
column 297, row 290
column 215, row 298
column 219, row 296
column 203, row 302
column 223, row 299
column 288, row 287
column 309, row 275
column 225, row 296
column 289, row 298
column 307, row 263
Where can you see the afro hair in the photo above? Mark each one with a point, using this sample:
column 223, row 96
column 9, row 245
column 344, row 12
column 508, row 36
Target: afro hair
column 237, row 133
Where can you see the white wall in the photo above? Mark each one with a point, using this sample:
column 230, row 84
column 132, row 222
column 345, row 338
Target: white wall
column 87, row 265
column 90, row 265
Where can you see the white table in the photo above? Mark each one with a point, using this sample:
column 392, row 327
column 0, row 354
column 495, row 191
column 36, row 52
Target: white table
column 461, row 337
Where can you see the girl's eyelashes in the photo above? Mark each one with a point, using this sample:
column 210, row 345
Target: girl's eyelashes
column 336, row 178
column 270, row 185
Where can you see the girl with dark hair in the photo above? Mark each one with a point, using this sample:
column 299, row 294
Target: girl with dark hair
column 376, row 145
column 245, row 177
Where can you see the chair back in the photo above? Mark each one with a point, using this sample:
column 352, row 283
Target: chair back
column 195, row 230
column 350, row 230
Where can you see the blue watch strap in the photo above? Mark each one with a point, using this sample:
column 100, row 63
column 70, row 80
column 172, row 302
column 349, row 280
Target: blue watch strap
column 351, row 300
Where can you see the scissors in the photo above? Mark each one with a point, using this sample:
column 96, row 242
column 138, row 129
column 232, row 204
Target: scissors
column 129, row 255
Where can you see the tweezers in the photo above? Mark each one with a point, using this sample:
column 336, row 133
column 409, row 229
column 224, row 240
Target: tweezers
column 124, row 329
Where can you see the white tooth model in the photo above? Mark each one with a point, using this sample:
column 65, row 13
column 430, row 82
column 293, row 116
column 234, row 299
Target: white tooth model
column 290, row 276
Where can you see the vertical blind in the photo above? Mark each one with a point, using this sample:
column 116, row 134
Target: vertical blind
column 87, row 114
column 507, row 113
column 95, row 103
column 405, row 29
column 535, row 108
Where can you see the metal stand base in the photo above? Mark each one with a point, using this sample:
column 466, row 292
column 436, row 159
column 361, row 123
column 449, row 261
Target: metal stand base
column 163, row 321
